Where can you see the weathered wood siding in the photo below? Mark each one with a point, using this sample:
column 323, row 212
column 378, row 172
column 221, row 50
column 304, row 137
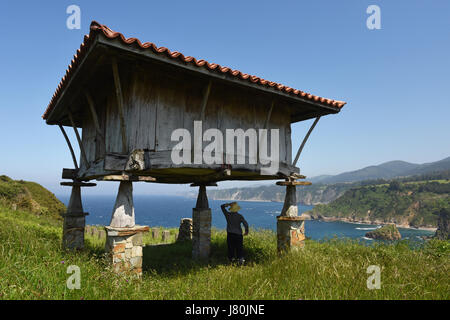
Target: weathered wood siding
column 88, row 141
column 156, row 104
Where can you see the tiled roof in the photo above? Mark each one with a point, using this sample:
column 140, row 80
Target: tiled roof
column 213, row 67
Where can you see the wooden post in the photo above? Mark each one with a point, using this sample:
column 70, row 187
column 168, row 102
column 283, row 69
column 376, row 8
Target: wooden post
column 205, row 100
column 264, row 133
column 74, row 158
column 119, row 97
column 80, row 143
column 304, row 141
column 94, row 115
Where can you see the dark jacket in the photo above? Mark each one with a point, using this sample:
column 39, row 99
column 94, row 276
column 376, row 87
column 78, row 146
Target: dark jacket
column 234, row 220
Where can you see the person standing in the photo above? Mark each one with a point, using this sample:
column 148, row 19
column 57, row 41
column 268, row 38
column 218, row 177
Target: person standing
column 235, row 240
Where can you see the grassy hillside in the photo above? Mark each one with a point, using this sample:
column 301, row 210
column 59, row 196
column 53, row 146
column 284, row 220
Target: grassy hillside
column 412, row 203
column 29, row 196
column 32, row 266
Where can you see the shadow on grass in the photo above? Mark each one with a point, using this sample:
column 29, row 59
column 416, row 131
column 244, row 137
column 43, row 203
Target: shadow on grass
column 176, row 258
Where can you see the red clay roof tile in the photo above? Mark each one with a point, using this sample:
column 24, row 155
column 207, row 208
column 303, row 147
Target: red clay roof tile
column 110, row 34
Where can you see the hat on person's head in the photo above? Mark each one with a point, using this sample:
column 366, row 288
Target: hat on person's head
column 234, row 207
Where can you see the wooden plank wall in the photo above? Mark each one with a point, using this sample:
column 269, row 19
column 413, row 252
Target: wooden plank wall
column 156, row 103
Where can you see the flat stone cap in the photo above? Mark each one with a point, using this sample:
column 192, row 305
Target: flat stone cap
column 120, row 232
column 295, row 218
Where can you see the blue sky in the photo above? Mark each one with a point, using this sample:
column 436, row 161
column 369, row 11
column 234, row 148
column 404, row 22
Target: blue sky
column 395, row 80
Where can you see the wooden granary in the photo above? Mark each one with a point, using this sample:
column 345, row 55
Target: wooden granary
column 129, row 98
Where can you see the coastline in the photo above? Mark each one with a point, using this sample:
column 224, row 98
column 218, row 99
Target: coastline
column 345, row 220
column 215, row 199
column 372, row 223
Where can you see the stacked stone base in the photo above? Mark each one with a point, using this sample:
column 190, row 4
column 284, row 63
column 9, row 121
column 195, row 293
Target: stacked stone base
column 290, row 233
column 73, row 230
column 185, row 230
column 124, row 247
column 201, row 233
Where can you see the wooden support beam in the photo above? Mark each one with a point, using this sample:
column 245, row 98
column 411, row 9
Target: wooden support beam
column 78, row 184
column 119, row 97
column 74, row 158
column 294, row 176
column 125, row 177
column 266, row 124
column 209, row 184
column 94, row 115
column 80, row 143
column 293, row 183
column 69, row 173
column 205, row 100
column 304, row 141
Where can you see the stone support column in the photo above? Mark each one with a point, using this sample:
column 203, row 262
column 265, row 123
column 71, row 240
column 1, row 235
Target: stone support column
column 124, row 243
column 201, row 225
column 125, row 248
column 74, row 222
column 290, row 227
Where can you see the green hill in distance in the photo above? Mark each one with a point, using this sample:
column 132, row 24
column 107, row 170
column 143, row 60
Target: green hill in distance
column 326, row 188
column 387, row 170
column 406, row 204
column 29, row 196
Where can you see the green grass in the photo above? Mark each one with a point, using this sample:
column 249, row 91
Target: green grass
column 33, row 266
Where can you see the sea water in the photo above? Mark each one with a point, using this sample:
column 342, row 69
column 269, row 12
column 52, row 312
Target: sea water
column 167, row 211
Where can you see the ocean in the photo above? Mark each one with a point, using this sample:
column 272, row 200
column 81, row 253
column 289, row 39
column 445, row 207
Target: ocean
column 167, row 211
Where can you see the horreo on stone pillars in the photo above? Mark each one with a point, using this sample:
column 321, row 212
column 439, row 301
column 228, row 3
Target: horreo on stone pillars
column 124, row 238
column 130, row 133
column 290, row 227
column 201, row 225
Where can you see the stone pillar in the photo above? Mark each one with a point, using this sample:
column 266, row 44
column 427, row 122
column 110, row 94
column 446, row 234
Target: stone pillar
column 165, row 235
column 74, row 221
column 155, row 233
column 123, row 213
column 185, row 230
column 124, row 238
column 290, row 233
column 290, row 208
column 125, row 248
column 201, row 225
column 290, row 227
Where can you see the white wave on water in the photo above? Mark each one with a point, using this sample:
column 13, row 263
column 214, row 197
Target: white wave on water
column 358, row 228
column 365, row 238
